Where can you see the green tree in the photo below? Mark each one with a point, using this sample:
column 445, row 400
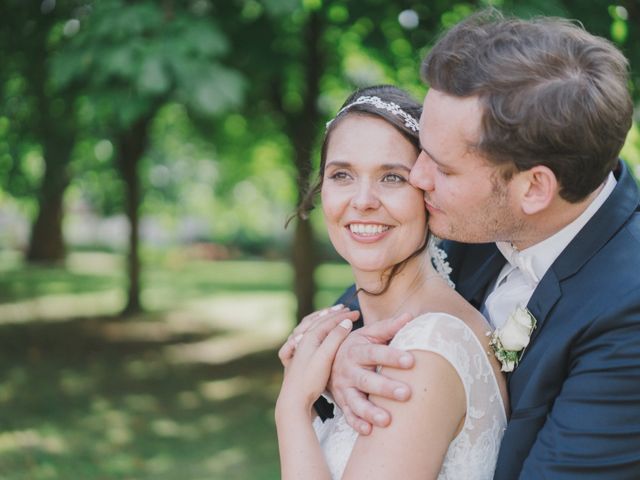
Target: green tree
column 130, row 58
column 38, row 116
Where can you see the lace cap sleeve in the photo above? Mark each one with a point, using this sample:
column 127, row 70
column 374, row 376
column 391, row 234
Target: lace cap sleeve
column 452, row 339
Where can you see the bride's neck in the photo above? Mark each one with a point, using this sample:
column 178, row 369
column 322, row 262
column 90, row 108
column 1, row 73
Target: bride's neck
column 406, row 290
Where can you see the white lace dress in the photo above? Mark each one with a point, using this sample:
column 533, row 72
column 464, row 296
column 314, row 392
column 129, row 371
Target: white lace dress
column 473, row 453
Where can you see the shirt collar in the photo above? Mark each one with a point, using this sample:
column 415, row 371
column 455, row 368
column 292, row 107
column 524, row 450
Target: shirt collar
column 535, row 260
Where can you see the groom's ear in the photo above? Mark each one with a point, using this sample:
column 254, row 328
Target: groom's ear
column 538, row 189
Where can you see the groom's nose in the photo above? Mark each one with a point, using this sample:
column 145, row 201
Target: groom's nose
column 421, row 175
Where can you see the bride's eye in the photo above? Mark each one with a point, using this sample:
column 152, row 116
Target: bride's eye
column 339, row 176
column 393, row 178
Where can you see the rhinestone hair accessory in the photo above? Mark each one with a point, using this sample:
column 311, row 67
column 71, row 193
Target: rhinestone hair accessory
column 409, row 122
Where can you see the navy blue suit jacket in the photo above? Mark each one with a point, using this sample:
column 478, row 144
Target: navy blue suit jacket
column 575, row 396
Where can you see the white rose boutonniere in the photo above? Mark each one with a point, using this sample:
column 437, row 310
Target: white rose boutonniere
column 509, row 341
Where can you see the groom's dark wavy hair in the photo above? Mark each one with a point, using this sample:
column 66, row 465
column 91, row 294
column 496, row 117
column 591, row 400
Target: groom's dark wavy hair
column 386, row 93
column 552, row 94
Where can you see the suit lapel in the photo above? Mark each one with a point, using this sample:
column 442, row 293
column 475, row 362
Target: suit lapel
column 544, row 298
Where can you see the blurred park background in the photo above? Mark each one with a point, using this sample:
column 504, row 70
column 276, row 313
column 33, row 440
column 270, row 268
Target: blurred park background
column 150, row 154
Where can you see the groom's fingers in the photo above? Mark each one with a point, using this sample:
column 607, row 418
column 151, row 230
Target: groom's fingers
column 383, row 355
column 359, row 425
column 373, row 383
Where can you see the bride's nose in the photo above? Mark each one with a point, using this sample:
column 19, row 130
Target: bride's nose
column 365, row 197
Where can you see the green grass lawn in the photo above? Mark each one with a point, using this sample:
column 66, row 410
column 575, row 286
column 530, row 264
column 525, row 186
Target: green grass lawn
column 185, row 391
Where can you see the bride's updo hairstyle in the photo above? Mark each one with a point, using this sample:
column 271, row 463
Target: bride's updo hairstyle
column 399, row 110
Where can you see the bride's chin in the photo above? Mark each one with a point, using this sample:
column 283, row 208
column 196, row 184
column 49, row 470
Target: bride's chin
column 368, row 268
column 369, row 277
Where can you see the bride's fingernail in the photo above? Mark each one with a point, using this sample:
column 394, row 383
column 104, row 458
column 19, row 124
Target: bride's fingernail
column 346, row 324
column 297, row 338
column 323, row 313
column 337, row 307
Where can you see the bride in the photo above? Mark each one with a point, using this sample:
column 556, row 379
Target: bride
column 452, row 425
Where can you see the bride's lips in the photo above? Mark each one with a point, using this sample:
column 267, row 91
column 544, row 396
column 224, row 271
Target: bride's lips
column 367, row 232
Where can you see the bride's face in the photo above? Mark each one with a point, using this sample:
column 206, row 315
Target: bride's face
column 375, row 217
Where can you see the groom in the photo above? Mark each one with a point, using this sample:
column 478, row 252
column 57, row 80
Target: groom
column 520, row 135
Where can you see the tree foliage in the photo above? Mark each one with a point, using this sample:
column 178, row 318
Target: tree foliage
column 208, row 109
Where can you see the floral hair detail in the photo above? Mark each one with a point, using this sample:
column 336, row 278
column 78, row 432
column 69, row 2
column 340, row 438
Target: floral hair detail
column 409, row 122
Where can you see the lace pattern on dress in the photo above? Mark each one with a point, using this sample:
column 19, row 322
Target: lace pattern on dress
column 473, row 453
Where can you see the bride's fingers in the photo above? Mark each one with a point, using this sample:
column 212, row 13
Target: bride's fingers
column 327, row 321
column 308, row 321
column 322, row 328
column 335, row 337
column 286, row 352
column 288, row 349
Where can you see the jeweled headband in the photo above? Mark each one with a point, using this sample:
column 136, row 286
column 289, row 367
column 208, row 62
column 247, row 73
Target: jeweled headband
column 409, row 122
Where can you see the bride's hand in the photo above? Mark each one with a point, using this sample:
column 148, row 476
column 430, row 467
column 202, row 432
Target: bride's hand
column 286, row 352
column 307, row 370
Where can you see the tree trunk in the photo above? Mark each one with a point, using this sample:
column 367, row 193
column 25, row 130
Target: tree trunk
column 303, row 128
column 304, row 261
column 55, row 129
column 46, row 244
column 132, row 144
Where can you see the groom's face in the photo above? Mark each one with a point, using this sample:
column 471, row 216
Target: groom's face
column 467, row 198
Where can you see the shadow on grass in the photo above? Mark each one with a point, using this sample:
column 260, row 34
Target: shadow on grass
column 81, row 402
column 26, row 283
column 94, row 398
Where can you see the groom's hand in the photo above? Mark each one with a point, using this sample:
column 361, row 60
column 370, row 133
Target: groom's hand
column 353, row 376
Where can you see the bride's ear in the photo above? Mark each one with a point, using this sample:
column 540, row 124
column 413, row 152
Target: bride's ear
column 538, row 189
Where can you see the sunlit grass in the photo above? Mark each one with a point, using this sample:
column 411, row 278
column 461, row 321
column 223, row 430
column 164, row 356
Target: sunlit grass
column 185, row 391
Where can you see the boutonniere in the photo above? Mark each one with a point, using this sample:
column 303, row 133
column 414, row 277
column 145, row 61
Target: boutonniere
column 509, row 341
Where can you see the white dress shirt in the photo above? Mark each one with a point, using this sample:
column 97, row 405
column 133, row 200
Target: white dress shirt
column 521, row 274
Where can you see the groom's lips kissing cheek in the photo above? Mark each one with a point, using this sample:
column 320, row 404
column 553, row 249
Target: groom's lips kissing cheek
column 368, row 232
column 430, row 206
